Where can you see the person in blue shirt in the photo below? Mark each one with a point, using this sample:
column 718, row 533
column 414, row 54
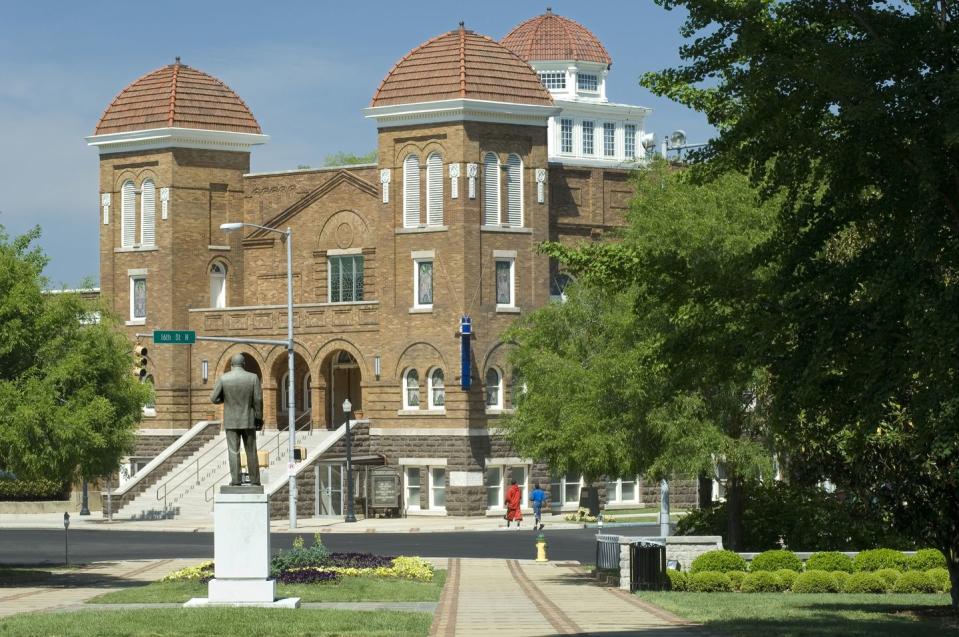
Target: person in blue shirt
column 537, row 497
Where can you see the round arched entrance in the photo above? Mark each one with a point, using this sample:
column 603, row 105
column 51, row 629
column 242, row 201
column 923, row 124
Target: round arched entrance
column 342, row 379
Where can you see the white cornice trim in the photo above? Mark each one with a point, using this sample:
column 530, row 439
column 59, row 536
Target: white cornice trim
column 459, row 110
column 582, row 162
column 155, row 138
column 610, row 109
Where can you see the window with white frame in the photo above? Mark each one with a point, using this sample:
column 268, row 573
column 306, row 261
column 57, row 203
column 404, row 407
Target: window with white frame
column 630, row 132
column 423, row 283
column 588, row 127
column 494, row 487
column 411, row 191
column 148, row 213
column 285, row 392
column 437, row 488
column 505, row 283
column 588, row 82
column 434, row 190
column 622, row 490
column 138, row 297
column 499, row 478
column 437, row 389
column 494, row 389
column 514, row 191
column 553, row 80
column 491, row 187
column 566, row 135
column 564, row 489
column 150, row 406
column 609, row 139
column 128, row 218
column 346, row 278
column 411, row 478
column 411, row 389
column 218, row 284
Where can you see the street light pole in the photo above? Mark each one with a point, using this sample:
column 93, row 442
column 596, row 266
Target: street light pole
column 350, row 517
column 84, row 502
column 291, row 367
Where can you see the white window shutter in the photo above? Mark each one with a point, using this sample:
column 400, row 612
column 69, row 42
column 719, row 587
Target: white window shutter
column 514, row 191
column 411, row 191
column 491, row 190
column 434, row 190
column 148, row 213
column 128, row 214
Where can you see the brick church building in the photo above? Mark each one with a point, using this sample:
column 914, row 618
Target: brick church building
column 485, row 149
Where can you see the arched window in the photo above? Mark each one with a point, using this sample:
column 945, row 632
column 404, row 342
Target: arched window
column 411, row 191
column 411, row 390
column 517, row 387
column 437, row 389
column 218, row 284
column 307, row 392
column 514, row 191
column 148, row 213
column 285, row 392
column 128, row 214
column 490, row 190
column 494, row 389
column 434, row 190
column 150, row 407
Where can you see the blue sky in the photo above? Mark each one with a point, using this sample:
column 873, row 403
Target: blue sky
column 306, row 69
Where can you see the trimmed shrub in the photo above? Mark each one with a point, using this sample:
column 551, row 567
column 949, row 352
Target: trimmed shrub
column 816, row 582
column 787, row 576
column 940, row 578
column 925, row 559
column 841, row 578
column 914, row 582
column 875, row 559
column 709, row 582
column 736, row 577
column 829, row 561
column 718, row 561
column 889, row 575
column 776, row 560
column 12, row 490
column 761, row 582
column 864, row 582
column 678, row 581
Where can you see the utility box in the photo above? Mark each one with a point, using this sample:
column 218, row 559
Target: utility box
column 647, row 566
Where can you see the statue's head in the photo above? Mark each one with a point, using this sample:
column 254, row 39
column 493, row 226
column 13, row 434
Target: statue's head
column 238, row 360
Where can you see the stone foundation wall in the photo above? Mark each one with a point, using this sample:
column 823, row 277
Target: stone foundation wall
column 683, row 548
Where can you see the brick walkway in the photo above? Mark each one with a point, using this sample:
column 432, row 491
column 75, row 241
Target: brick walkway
column 505, row 598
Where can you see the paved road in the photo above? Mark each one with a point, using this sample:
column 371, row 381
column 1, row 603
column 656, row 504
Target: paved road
column 23, row 546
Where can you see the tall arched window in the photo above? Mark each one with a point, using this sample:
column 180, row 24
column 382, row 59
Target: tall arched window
column 411, row 191
column 514, row 190
column 490, row 190
column 148, row 213
column 434, row 190
column 437, row 389
column 128, row 214
column 307, row 392
column 150, row 407
column 218, row 284
column 494, row 389
column 285, row 392
column 411, row 390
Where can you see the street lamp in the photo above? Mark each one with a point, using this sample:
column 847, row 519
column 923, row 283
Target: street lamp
column 347, row 407
column 85, row 502
column 291, row 399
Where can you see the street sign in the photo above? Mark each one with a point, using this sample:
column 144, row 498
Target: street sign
column 174, row 337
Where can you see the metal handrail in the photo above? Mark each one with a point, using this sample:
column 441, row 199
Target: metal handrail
column 208, row 494
column 165, row 488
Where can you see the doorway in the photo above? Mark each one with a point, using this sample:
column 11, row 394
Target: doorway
column 329, row 487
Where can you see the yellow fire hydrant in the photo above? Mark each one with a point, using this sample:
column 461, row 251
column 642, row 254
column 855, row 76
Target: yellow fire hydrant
column 541, row 549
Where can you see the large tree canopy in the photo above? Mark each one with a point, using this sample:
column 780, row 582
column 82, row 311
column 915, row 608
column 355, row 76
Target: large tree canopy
column 851, row 110
column 69, row 405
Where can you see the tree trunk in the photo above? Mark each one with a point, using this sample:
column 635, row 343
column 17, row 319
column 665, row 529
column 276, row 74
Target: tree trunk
column 734, row 510
column 705, row 492
column 952, row 563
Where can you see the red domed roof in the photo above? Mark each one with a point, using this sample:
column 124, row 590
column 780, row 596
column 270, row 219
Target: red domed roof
column 177, row 96
column 553, row 37
column 461, row 64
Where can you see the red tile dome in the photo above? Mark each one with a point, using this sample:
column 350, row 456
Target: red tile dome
column 553, row 37
column 461, row 65
column 177, row 96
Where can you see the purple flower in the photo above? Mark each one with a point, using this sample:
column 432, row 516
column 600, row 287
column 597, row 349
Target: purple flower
column 308, row 576
column 360, row 560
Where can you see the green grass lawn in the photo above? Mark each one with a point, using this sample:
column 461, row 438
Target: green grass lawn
column 204, row 622
column 348, row 589
column 797, row 615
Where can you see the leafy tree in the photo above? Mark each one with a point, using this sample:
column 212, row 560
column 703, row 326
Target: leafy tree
column 349, row 159
column 69, row 405
column 662, row 377
column 849, row 109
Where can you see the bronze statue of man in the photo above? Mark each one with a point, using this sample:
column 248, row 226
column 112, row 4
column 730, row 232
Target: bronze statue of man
column 240, row 394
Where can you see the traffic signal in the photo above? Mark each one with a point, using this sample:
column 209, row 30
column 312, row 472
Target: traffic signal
column 140, row 362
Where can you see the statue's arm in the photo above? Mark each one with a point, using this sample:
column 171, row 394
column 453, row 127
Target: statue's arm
column 257, row 399
column 217, row 396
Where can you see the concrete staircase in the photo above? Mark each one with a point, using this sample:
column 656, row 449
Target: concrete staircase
column 187, row 490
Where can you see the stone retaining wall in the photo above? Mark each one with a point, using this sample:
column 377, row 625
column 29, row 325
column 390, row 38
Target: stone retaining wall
column 684, row 548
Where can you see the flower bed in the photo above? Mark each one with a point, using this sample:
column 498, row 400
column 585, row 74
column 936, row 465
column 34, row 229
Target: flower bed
column 582, row 515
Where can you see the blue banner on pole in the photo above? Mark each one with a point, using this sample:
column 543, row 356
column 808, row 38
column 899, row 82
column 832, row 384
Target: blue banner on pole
column 466, row 331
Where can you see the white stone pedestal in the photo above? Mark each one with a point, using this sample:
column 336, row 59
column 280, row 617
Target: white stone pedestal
column 241, row 552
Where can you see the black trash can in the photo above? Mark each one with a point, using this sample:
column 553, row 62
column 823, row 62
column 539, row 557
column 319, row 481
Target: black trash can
column 647, row 566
